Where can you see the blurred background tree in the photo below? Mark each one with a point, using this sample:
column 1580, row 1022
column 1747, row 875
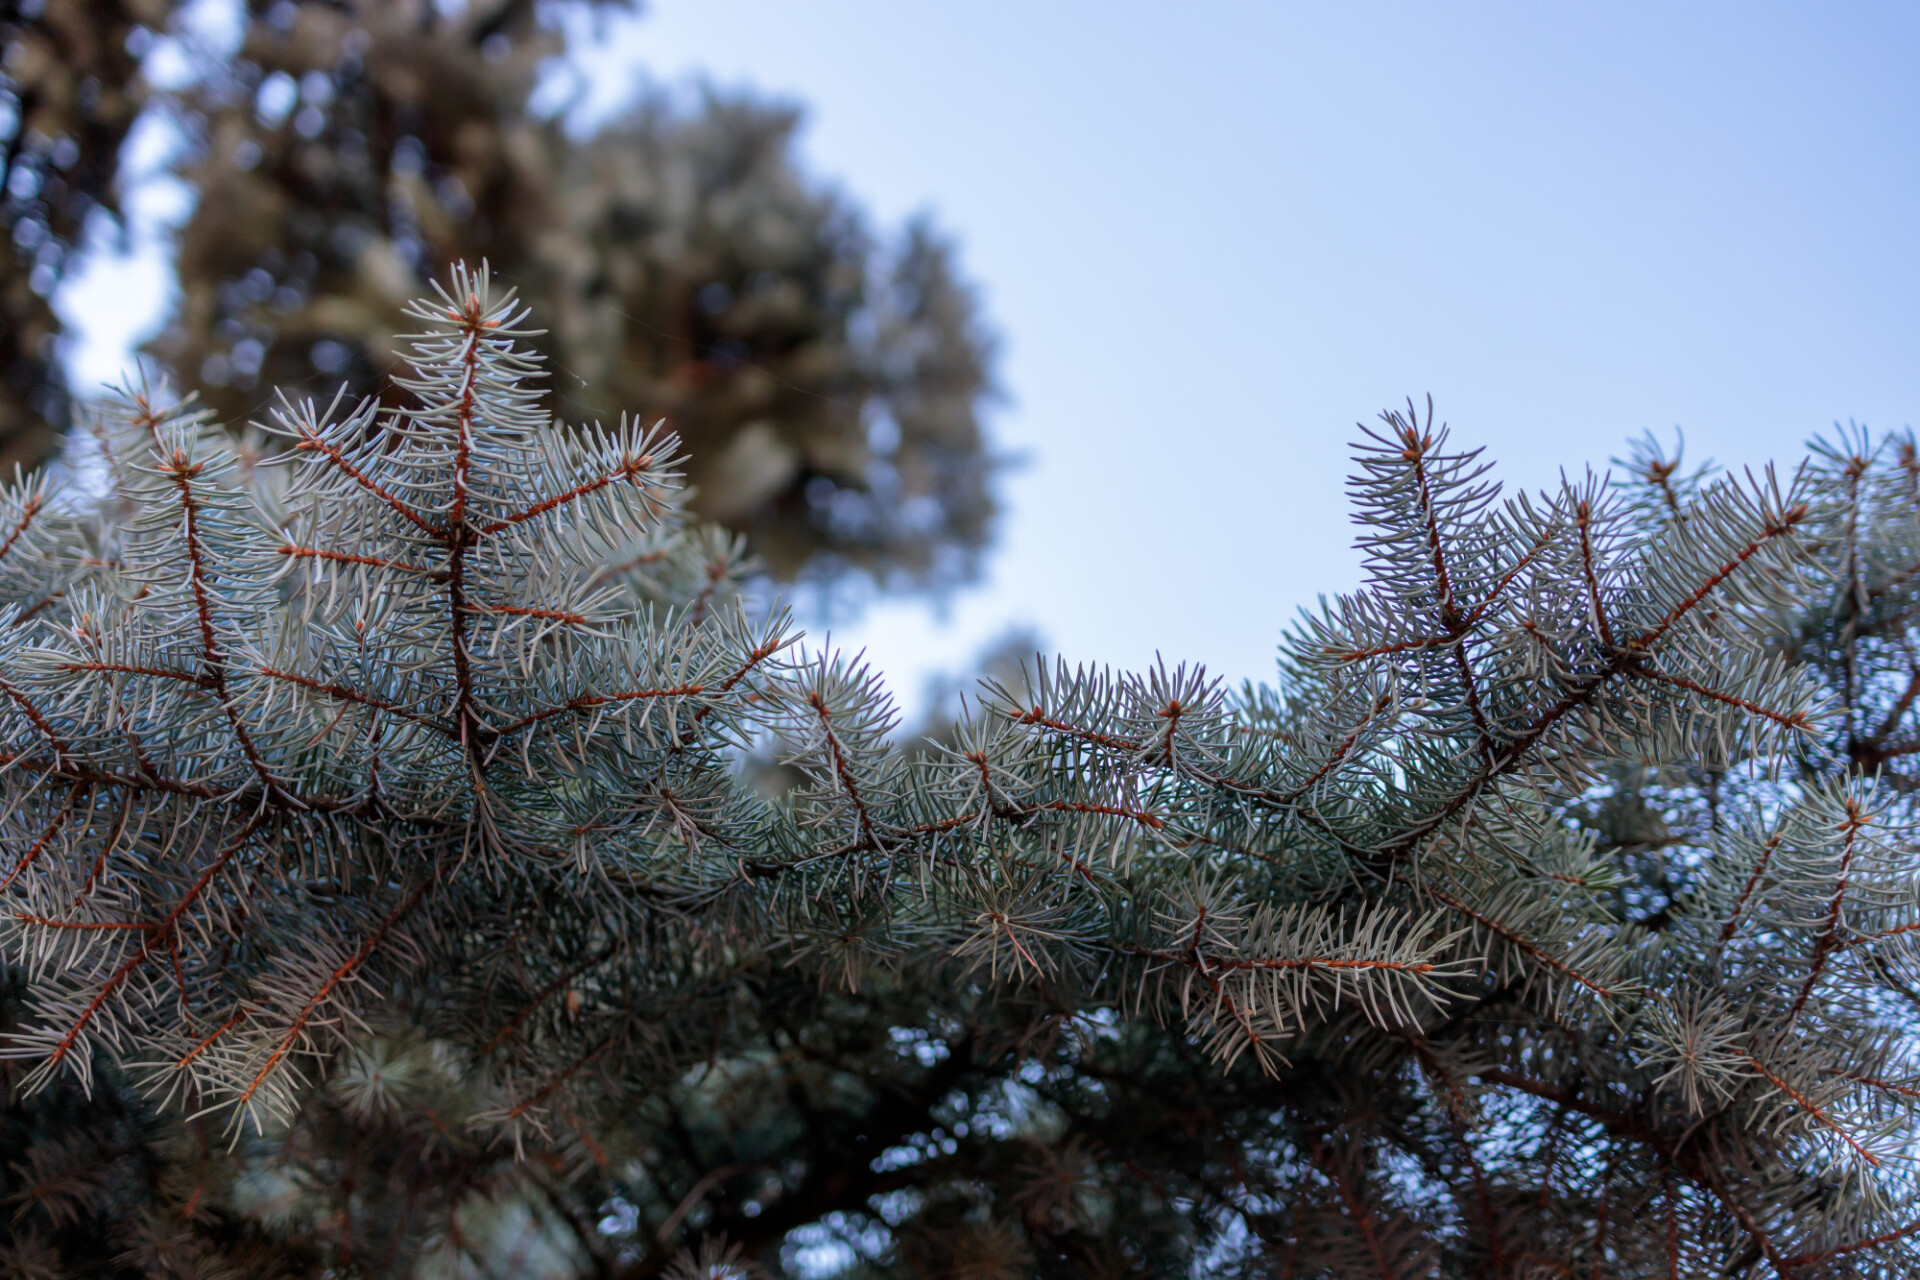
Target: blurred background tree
column 827, row 379
column 70, row 91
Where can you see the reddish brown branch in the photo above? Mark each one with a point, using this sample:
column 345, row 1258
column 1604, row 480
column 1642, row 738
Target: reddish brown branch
column 1900, row 705
column 1583, row 518
column 1790, row 720
column 547, row 1090
column 184, row 473
column 340, row 974
column 60, row 748
column 1789, row 519
column 1541, row 542
column 1753, row 881
column 311, row 443
column 458, row 539
column 29, row 510
column 613, row 571
column 1811, row 1108
column 521, row 611
column 200, row 681
column 626, row 471
column 71, row 771
column 1194, row 958
column 1629, row 1125
column 1414, row 451
column 345, row 694
column 344, row 557
column 47, row 923
column 1356, row 1211
column 1887, row 1086
column 33, row 852
column 1660, row 475
column 1349, row 656
column 716, row 574
column 1840, row 1251
column 1827, row 942
column 238, row 1017
column 1850, row 943
column 1520, row 943
column 1039, row 717
column 588, row 701
column 156, row 933
column 843, row 771
column 1468, row 620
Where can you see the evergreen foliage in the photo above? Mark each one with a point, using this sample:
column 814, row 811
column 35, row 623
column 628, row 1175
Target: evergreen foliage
column 388, row 894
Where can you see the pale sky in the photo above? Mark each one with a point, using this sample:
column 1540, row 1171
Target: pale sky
column 1212, row 236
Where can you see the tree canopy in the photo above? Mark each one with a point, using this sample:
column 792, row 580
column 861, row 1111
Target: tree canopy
column 828, row 377
column 69, row 94
column 386, row 893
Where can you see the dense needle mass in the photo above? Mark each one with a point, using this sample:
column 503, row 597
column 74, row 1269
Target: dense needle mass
column 378, row 851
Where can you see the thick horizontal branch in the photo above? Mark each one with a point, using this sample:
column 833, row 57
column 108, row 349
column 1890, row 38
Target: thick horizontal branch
column 1040, row 718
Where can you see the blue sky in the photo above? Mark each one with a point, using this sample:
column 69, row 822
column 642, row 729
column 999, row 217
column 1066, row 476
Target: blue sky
column 1213, row 236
